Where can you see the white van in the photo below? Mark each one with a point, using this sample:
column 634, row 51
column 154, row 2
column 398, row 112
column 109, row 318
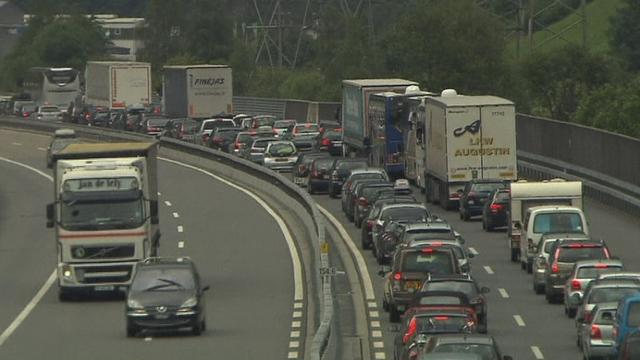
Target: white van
column 540, row 220
column 525, row 195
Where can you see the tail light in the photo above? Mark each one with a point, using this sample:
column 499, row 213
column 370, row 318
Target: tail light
column 397, row 276
column 315, row 173
column 595, row 332
column 454, row 195
column 326, row 142
column 412, row 328
column 555, row 268
column 236, row 145
column 614, row 331
column 370, row 224
column 25, row 114
column 205, row 137
column 427, row 250
column 494, row 208
column 363, row 202
column 441, row 318
column 575, row 284
column 217, row 139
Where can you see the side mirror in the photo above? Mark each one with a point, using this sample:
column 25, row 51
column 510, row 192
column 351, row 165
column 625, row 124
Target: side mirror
column 153, row 209
column 484, row 290
column 517, row 226
column 51, row 214
column 470, row 255
column 575, row 299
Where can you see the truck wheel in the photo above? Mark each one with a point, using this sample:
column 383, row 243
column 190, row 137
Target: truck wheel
column 539, row 289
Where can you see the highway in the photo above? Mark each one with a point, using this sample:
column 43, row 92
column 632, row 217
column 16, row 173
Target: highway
column 239, row 248
column 525, row 326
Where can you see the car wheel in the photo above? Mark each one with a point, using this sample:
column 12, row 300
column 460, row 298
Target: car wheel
column 394, row 314
column 514, row 255
column 465, row 216
column 483, row 329
column 523, row 265
column 548, row 296
column 379, row 258
column 132, row 330
column 538, row 289
column 571, row 313
column 529, row 267
column 64, row 295
column 197, row 329
column 385, row 305
column 365, row 243
column 310, row 189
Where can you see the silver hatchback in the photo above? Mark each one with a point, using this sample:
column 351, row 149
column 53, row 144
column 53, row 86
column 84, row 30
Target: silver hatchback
column 583, row 272
column 597, row 336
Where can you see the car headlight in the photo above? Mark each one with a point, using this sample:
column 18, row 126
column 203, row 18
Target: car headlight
column 191, row 302
column 134, row 304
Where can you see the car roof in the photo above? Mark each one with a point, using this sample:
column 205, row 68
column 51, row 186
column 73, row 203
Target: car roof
column 465, row 338
column 368, row 170
column 403, row 205
column 428, row 225
column 608, row 283
column 166, row 261
column 619, row 275
column 594, row 262
column 565, row 235
column 553, row 208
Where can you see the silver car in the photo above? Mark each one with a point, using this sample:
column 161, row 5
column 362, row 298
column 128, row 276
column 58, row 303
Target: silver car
column 596, row 337
column 280, row 155
column 583, row 272
column 48, row 113
column 461, row 253
column 540, row 259
column 256, row 152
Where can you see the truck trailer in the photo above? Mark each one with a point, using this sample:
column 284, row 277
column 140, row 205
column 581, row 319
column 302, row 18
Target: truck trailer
column 197, row 91
column 467, row 137
column 117, row 84
column 105, row 214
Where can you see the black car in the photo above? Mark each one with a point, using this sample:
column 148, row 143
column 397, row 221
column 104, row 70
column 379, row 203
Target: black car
column 367, row 197
column 354, row 193
column 331, row 142
column 483, row 346
column 222, row 137
column 494, row 213
column 166, row 293
column 474, row 195
column 340, row 172
column 368, row 222
column 467, row 285
column 319, row 174
column 300, row 171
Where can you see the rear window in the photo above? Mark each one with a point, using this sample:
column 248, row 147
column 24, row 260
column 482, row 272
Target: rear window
column 613, row 294
column 593, row 272
column 406, row 213
column 49, row 109
column 441, row 324
column 440, row 300
column 333, row 135
column 557, row 222
column 372, row 192
column 485, row 187
column 436, row 262
column 465, row 287
column 503, row 197
column 262, row 142
column 307, row 128
column 634, row 314
column 217, row 124
column 583, row 253
column 350, row 165
column 158, row 122
column 605, row 317
column 283, row 124
column 547, row 246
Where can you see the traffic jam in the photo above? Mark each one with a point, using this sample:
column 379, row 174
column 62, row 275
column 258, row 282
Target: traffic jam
column 394, row 155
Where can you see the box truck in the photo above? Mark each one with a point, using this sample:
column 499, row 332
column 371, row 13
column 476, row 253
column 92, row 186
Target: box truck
column 467, row 137
column 197, row 91
column 105, row 214
column 356, row 119
column 117, row 85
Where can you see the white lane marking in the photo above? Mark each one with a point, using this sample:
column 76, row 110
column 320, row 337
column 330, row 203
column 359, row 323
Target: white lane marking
column 474, row 251
column 380, row 356
column 292, row 355
column 16, row 144
column 295, row 334
column 180, row 228
column 375, row 324
column 180, row 244
column 176, row 215
column 148, row 338
column 293, row 251
column 378, row 344
column 159, row 194
column 296, row 324
column 503, row 293
column 168, row 203
column 374, row 314
column 362, row 265
column 537, row 353
column 298, row 305
column 294, row 344
column 488, row 269
column 42, row 149
column 376, row 334
column 27, row 309
column 372, row 304
column 519, row 320
column 297, row 314
column 47, row 284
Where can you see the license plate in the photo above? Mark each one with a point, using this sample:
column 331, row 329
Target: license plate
column 161, row 316
column 327, row 176
column 104, row 288
column 412, row 285
column 281, row 160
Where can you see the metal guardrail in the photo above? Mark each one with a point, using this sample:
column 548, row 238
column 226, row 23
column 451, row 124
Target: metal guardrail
column 325, row 296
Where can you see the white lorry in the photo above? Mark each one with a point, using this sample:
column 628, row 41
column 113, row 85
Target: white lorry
column 466, row 138
column 117, row 85
column 197, row 91
column 542, row 207
column 105, row 214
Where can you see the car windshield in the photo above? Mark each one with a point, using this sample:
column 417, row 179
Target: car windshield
column 592, row 272
column 163, row 279
column 486, row 351
column 307, row 128
column 282, row 149
column 610, row 294
column 435, row 262
column 581, row 253
column 441, row 324
column 557, row 222
column 333, row 135
column 466, row 287
column 406, row 213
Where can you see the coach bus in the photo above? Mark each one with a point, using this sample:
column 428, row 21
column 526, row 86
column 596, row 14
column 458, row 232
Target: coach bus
column 53, row 86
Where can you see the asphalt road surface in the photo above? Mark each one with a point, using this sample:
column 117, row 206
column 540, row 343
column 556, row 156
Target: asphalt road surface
column 238, row 247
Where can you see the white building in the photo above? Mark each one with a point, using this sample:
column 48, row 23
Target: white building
column 125, row 35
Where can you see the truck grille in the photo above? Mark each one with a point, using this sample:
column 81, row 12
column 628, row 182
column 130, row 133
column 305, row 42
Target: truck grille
column 104, row 274
column 102, row 252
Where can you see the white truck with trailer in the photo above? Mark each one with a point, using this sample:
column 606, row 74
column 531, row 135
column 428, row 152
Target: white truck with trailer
column 197, row 91
column 105, row 214
column 554, row 200
column 467, row 137
column 117, row 84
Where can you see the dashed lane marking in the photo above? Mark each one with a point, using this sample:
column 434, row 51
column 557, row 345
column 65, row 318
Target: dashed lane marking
column 159, row 194
column 42, row 149
column 537, row 353
column 292, row 355
column 378, row 344
column 294, row 334
column 519, row 320
column 376, row 334
column 375, row 324
column 294, row 344
column 372, row 304
column 380, row 356
column 474, row 251
column 503, row 293
column 488, row 269
column 180, row 244
column 148, row 338
column 297, row 314
column 180, row 228
column 168, row 203
column 296, row 324
column 176, row 215
column 16, row 144
column 374, row 314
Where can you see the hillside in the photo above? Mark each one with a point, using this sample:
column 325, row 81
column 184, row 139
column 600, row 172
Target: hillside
column 598, row 12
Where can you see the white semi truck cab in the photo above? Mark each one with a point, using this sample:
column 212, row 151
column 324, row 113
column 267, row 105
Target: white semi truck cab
column 105, row 214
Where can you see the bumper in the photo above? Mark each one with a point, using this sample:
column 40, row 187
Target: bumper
column 474, row 210
column 302, row 181
column 401, row 300
column 555, row 286
column 164, row 321
column 94, row 276
column 497, row 220
column 279, row 166
column 324, row 183
column 600, row 349
column 538, row 276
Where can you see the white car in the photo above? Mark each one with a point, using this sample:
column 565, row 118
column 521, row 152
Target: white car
column 48, row 113
column 280, row 155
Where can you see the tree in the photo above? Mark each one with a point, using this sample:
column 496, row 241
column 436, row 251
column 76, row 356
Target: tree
column 625, row 34
column 557, row 80
column 447, row 44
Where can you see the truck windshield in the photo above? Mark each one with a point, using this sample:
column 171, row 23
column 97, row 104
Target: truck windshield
column 101, row 214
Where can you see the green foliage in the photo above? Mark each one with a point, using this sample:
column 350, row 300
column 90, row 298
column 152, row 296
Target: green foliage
column 447, row 44
column 561, row 78
column 625, row 33
column 64, row 42
column 614, row 107
column 243, row 66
